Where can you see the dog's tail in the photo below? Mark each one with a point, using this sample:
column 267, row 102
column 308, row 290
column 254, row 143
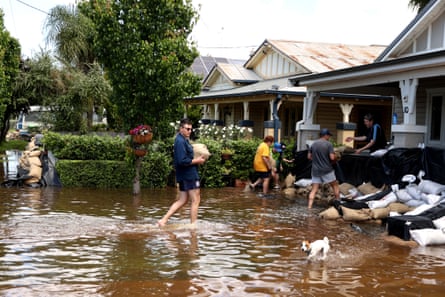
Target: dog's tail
column 326, row 239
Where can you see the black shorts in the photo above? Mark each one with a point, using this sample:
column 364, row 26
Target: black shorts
column 261, row 174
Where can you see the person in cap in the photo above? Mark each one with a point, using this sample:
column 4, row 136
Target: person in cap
column 322, row 155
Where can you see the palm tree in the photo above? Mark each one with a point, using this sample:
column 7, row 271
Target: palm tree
column 72, row 34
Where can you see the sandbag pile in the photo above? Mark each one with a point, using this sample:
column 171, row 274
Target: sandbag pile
column 30, row 165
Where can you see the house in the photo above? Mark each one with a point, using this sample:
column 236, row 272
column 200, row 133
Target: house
column 411, row 70
column 260, row 95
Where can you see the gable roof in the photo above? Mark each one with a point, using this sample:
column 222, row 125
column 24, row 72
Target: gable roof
column 318, row 57
column 233, row 72
column 401, row 45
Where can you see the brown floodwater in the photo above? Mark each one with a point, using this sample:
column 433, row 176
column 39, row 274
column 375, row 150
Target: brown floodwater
column 95, row 242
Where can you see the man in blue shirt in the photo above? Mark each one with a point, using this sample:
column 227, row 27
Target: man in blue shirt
column 186, row 174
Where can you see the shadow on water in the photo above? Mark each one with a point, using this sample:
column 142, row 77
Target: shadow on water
column 88, row 242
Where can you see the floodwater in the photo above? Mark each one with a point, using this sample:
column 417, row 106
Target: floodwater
column 90, row 242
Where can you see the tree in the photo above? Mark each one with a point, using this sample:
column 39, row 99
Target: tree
column 72, row 34
column 144, row 48
column 9, row 69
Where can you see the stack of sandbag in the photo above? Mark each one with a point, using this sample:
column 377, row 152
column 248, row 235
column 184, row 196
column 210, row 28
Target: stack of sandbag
column 31, row 166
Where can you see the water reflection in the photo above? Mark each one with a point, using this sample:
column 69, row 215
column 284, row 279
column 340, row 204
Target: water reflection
column 87, row 242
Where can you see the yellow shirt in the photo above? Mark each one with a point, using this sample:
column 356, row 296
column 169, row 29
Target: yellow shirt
column 258, row 163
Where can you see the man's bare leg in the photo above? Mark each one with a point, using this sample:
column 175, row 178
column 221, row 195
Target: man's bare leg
column 173, row 208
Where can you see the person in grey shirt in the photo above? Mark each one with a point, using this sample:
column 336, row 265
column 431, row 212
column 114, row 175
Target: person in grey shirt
column 323, row 157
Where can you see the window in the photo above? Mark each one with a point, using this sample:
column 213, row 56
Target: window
column 435, row 109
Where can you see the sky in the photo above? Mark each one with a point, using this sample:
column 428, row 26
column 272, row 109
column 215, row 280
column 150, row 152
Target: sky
column 235, row 28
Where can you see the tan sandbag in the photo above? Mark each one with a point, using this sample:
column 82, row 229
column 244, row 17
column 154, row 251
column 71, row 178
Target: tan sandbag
column 329, row 214
column 289, row 181
column 399, row 207
column 36, row 174
column 345, row 187
column 34, row 161
column 200, row 149
column 289, row 193
column 367, row 188
column 350, row 214
column 35, row 153
column 380, row 213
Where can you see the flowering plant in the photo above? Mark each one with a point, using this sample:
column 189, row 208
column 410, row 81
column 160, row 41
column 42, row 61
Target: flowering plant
column 141, row 130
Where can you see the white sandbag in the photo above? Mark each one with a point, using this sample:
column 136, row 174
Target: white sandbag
column 439, row 223
column 304, row 182
column 419, row 209
column 414, row 192
column 414, row 203
column 403, row 195
column 430, row 187
column 431, row 198
column 428, row 236
column 384, row 202
column 379, row 153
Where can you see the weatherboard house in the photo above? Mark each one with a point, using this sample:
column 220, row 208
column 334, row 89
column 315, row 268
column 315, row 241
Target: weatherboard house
column 307, row 86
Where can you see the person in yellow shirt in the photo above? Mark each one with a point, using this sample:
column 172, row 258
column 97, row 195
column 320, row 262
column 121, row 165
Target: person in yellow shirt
column 262, row 164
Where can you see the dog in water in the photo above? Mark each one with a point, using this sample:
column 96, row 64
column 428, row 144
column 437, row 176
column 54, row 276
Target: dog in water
column 317, row 249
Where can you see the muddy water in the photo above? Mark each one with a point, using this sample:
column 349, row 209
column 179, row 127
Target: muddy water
column 84, row 242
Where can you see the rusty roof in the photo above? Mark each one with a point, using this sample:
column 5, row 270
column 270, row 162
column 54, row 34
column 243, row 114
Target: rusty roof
column 323, row 57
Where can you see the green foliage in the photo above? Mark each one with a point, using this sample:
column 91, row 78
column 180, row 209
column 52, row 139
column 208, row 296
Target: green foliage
column 9, row 69
column 85, row 147
column 95, row 173
column 146, row 53
column 13, row 145
column 211, row 171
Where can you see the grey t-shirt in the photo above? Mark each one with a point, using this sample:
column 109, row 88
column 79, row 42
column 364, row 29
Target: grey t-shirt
column 321, row 162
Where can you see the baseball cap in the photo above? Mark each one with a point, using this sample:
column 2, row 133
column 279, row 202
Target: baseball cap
column 277, row 147
column 324, row 132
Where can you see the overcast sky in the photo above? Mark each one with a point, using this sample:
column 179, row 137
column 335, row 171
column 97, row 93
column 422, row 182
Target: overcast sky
column 234, row 28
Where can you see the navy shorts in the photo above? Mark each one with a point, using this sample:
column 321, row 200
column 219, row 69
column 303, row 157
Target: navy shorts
column 261, row 174
column 187, row 185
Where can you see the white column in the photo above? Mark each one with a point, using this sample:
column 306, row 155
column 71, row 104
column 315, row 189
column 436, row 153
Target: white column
column 246, row 115
column 408, row 88
column 346, row 110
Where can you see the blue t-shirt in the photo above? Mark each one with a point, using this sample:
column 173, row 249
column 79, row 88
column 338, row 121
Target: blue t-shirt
column 182, row 160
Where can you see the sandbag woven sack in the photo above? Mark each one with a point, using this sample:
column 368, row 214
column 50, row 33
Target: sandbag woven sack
column 200, row 149
column 356, row 214
column 345, row 187
column 428, row 236
column 439, row 223
column 367, row 188
column 380, row 213
column 329, row 214
column 430, row 187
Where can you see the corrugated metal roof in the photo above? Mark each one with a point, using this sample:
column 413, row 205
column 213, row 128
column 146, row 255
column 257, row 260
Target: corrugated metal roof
column 323, row 57
column 237, row 73
column 202, row 65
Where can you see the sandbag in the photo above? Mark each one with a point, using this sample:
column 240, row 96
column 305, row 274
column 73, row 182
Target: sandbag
column 349, row 214
column 380, row 213
column 345, row 188
column 398, row 207
column 428, row 236
column 367, row 188
column 384, row 202
column 430, row 187
column 329, row 214
column 439, row 223
column 200, row 149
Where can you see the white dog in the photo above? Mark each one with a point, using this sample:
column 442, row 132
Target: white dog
column 316, row 250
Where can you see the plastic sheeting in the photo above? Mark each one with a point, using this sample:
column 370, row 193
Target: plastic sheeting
column 388, row 169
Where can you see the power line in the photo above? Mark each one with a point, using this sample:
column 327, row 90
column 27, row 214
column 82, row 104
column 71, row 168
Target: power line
column 38, row 9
